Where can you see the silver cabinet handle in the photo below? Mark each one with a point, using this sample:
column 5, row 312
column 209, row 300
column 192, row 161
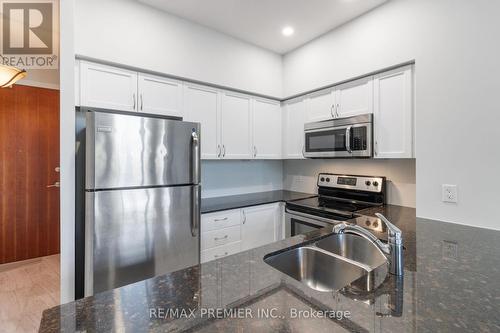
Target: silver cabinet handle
column 56, row 184
column 133, row 97
column 244, row 216
column 222, row 255
column 196, row 210
column 218, row 151
column 331, row 110
column 337, row 111
column 254, row 151
column 220, row 238
column 57, row 169
column 223, row 150
column 141, row 103
column 376, row 148
column 218, row 220
column 348, row 139
column 195, row 157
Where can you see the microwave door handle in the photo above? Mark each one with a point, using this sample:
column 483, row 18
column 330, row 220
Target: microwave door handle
column 348, row 139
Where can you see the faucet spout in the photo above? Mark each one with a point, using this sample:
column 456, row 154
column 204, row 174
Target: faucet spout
column 393, row 249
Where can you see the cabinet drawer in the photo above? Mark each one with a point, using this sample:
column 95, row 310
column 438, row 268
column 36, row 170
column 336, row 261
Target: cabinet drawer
column 220, row 237
column 219, row 220
column 220, row 251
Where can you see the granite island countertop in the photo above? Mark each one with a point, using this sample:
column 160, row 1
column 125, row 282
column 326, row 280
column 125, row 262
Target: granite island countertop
column 210, row 205
column 442, row 290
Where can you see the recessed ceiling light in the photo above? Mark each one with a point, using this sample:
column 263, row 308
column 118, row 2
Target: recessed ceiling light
column 287, row 31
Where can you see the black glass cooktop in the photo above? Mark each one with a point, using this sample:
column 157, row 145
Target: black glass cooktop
column 326, row 206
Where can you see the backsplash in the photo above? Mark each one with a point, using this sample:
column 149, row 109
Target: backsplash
column 232, row 177
column 301, row 175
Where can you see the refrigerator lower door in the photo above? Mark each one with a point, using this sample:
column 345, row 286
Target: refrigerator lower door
column 134, row 151
column 135, row 234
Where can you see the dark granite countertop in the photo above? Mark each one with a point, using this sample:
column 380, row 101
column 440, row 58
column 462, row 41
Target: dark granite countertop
column 443, row 289
column 209, row 205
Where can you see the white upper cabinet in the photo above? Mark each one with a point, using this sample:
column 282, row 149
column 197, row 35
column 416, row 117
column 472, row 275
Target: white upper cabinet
column 160, row 96
column 294, row 117
column 266, row 129
column 259, row 225
column 393, row 114
column 107, row 87
column 354, row 98
column 236, row 126
column 320, row 105
column 201, row 104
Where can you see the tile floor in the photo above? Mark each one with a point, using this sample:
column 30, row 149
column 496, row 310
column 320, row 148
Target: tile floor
column 26, row 289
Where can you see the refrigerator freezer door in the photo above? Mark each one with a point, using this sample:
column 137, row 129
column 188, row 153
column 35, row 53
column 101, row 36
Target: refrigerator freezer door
column 135, row 234
column 132, row 151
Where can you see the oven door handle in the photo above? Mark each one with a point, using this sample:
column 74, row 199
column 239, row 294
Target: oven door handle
column 348, row 139
column 312, row 217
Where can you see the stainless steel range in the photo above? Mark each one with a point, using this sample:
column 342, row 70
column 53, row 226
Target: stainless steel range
column 339, row 198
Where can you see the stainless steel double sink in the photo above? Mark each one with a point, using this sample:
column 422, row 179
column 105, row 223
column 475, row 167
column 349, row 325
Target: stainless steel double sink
column 334, row 262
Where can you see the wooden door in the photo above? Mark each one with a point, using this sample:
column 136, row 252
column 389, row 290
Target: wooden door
column 29, row 155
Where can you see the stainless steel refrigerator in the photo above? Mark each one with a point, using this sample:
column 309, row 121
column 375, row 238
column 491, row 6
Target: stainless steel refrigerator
column 141, row 198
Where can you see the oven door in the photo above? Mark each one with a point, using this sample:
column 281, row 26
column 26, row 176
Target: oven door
column 298, row 223
column 341, row 141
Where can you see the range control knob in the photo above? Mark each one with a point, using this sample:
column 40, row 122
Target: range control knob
column 368, row 183
column 327, row 180
column 322, row 179
column 375, row 183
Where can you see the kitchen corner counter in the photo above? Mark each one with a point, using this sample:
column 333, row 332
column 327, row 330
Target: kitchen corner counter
column 451, row 282
column 209, row 205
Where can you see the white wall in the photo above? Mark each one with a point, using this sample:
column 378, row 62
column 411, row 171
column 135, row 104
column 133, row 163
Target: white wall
column 67, row 150
column 455, row 46
column 130, row 33
column 302, row 175
column 221, row 178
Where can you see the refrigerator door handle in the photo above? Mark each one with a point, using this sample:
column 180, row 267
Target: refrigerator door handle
column 196, row 157
column 195, row 212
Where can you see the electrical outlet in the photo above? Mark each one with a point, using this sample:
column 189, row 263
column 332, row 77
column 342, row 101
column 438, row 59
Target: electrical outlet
column 450, row 250
column 450, row 193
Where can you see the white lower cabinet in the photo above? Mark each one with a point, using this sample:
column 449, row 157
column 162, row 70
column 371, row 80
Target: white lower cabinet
column 259, row 226
column 232, row 231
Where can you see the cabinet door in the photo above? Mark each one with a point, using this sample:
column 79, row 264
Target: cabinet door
column 108, row 87
column 393, row 114
column 354, row 98
column 259, row 226
column 266, row 129
column 293, row 129
column 160, row 96
column 202, row 105
column 320, row 105
column 236, row 127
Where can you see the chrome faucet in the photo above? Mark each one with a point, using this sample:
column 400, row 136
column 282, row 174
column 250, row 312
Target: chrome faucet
column 393, row 250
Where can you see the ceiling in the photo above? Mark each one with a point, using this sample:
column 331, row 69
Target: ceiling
column 260, row 22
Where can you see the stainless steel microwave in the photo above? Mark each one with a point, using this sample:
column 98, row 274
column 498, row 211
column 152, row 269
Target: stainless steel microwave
column 350, row 137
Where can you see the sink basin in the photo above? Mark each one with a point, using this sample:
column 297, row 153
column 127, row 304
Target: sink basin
column 334, row 262
column 354, row 248
column 315, row 268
